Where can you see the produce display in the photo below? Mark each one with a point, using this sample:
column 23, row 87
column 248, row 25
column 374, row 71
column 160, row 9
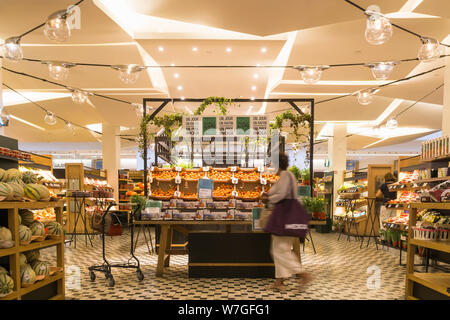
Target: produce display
column 250, row 194
column 19, row 155
column 350, row 187
column 223, row 190
column 164, row 194
column 271, row 177
column 164, row 175
column 192, row 175
column 24, row 233
column 37, row 228
column 6, row 284
column 188, row 195
column 44, row 214
column 22, row 259
column 27, row 274
column 54, row 228
column 220, row 175
column 32, row 255
column 30, row 175
column 247, row 176
column 27, row 216
column 40, row 268
column 405, row 197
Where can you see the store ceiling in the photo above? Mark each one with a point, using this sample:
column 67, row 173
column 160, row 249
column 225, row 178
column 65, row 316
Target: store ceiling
column 164, row 32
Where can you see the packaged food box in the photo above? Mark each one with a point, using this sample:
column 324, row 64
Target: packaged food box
column 225, row 215
column 242, row 215
column 208, row 215
column 151, row 213
column 177, row 215
column 168, row 214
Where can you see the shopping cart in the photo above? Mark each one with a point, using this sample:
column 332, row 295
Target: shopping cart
column 106, row 267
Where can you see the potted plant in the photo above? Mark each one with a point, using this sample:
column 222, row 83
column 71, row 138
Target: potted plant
column 316, row 206
column 305, row 176
column 296, row 172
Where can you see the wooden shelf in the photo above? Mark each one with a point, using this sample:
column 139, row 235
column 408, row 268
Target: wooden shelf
column 7, row 252
column 12, row 296
column 40, row 245
column 431, row 205
column 441, row 158
column 30, row 205
column 40, row 284
column 439, row 282
column 435, row 245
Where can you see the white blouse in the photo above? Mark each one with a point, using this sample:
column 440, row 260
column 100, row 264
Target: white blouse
column 284, row 188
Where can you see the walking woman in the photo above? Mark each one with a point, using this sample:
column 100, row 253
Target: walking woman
column 287, row 263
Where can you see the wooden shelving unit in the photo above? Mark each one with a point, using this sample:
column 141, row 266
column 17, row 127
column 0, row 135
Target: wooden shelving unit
column 19, row 293
column 437, row 282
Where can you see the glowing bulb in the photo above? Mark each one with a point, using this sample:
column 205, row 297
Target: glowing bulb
column 176, row 75
column 58, row 70
column 228, row 49
column 253, row 88
column 429, row 51
column 69, row 127
column 382, row 70
column 311, row 74
column 161, row 49
column 128, row 73
column 12, row 49
column 182, row 98
column 57, row 28
column 79, row 96
column 264, row 49
column 365, row 97
column 195, row 49
column 4, row 116
column 392, row 124
column 180, row 88
column 49, row 118
column 139, row 109
column 256, row 76
column 378, row 28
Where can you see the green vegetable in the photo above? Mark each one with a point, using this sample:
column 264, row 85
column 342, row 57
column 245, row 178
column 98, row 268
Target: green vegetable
column 140, row 200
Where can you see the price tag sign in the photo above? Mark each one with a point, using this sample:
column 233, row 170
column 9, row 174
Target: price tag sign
column 150, row 180
column 178, row 169
column 234, row 180
column 177, row 194
column 205, row 188
column 233, row 169
column 263, row 181
column 260, row 169
column 152, row 169
column 234, row 193
column 177, row 179
column 205, row 169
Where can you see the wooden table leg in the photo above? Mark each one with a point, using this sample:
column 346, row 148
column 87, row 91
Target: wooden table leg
column 162, row 250
column 296, row 249
column 168, row 246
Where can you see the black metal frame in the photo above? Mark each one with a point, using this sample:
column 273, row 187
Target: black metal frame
column 292, row 102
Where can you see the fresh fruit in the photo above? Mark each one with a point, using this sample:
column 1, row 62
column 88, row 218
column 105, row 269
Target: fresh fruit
column 244, row 175
column 27, row 274
column 223, row 190
column 32, row 255
column 3, row 175
column 192, row 175
column 5, row 190
column 5, row 234
column 31, row 192
column 37, row 228
column 161, row 193
column 45, row 214
column 164, row 175
column 29, row 177
column 27, row 216
column 54, row 228
column 18, row 192
column 41, row 268
column 24, row 233
column 6, row 284
column 3, row 270
column 13, row 175
column 191, row 195
column 44, row 193
column 220, row 175
column 22, row 259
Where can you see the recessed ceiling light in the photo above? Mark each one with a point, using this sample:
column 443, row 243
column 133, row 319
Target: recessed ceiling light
column 263, row 49
column 172, row 64
column 182, row 98
column 228, row 49
column 252, row 98
column 254, row 88
column 180, row 88
column 194, row 49
column 258, row 65
column 161, row 48
column 256, row 76
column 176, row 75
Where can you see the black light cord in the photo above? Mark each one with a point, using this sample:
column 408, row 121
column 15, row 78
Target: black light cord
column 43, row 24
column 394, row 24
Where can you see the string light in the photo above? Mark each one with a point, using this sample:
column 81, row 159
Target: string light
column 429, row 51
column 79, row 96
column 365, row 97
column 139, row 109
column 57, row 28
column 12, row 49
column 69, row 127
column 50, row 118
column 128, row 73
column 382, row 70
column 378, row 27
column 4, row 117
column 311, row 74
column 58, row 70
column 392, row 124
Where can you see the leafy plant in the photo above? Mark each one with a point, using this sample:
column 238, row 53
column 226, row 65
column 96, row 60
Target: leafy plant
column 296, row 171
column 221, row 102
column 314, row 204
column 305, row 174
column 139, row 200
column 295, row 121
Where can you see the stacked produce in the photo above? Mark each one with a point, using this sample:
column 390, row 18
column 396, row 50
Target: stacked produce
column 31, row 228
column 406, row 177
column 6, row 238
column 247, row 176
column 188, row 195
column 37, row 175
column 164, row 175
column 163, row 194
column 19, row 155
column 405, row 197
column 220, row 175
column 192, row 175
column 223, row 190
column 44, row 214
column 250, row 194
column 6, row 282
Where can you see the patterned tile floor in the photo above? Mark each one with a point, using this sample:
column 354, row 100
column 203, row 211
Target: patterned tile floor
column 339, row 268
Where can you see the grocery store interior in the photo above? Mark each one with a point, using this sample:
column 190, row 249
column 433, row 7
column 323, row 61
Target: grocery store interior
column 139, row 138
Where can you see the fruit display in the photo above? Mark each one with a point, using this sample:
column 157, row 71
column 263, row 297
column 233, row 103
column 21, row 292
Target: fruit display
column 6, row 192
column 349, row 187
column 223, row 191
column 54, row 228
column 405, row 197
column 272, row 178
column 247, row 176
column 5, row 234
column 37, row 228
column 159, row 193
column 18, row 191
column 22, row 259
column 30, row 175
column 250, row 194
column 219, row 175
column 192, row 175
column 188, row 195
column 40, row 268
column 19, row 155
column 44, row 214
column 32, row 255
column 27, row 275
column 6, row 284
column 164, row 175
column 37, row 192
column 27, row 216
column 24, row 233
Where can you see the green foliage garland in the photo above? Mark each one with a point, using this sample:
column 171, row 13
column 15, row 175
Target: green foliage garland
column 221, row 102
column 296, row 121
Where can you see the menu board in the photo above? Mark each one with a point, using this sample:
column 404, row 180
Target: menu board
column 243, row 126
column 260, row 125
column 209, row 126
column 192, row 125
column 225, row 125
column 205, row 188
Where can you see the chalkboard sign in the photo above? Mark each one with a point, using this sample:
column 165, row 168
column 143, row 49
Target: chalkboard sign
column 209, row 126
column 243, row 125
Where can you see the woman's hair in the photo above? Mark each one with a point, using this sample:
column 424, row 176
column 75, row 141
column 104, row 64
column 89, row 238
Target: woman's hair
column 389, row 177
column 283, row 161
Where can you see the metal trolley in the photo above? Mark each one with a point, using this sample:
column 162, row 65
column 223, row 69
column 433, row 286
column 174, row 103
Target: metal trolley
column 106, row 267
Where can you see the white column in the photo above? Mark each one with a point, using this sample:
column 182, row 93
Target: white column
column 337, row 154
column 111, row 155
column 446, row 106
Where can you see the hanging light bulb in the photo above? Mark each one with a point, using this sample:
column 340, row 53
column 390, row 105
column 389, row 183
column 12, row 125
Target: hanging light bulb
column 12, row 49
column 50, row 118
column 139, row 109
column 79, row 96
column 378, row 27
column 311, row 74
column 429, row 51
column 4, row 115
column 58, row 70
column 128, row 73
column 365, row 96
column 382, row 70
column 392, row 124
column 57, row 28
column 69, row 127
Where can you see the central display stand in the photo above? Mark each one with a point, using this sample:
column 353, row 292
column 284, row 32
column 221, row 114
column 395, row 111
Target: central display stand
column 230, row 255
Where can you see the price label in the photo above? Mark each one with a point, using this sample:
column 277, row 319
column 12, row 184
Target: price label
column 234, row 180
column 178, row 169
column 152, row 168
column 177, row 180
column 205, row 169
column 263, row 181
column 150, row 180
column 260, row 169
column 234, row 193
column 233, row 169
column 177, row 194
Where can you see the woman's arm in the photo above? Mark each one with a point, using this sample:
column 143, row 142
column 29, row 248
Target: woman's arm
column 280, row 190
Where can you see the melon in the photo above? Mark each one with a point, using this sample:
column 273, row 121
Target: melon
column 20, row 219
column 44, row 193
column 2, row 174
column 5, row 234
column 3, row 270
column 5, row 190
column 37, row 228
column 24, row 233
column 27, row 216
column 54, row 228
column 27, row 274
column 41, row 268
column 22, row 259
column 31, row 192
column 29, row 177
column 18, row 192
column 13, row 175
column 32, row 255
column 6, row 284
